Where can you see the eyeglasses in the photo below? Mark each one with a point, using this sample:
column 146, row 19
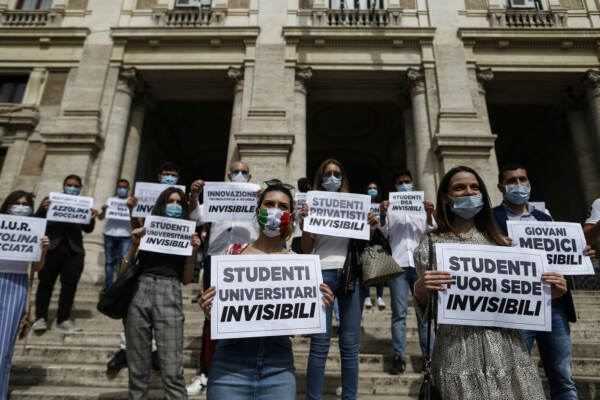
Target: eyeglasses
column 337, row 174
column 239, row 171
column 273, row 182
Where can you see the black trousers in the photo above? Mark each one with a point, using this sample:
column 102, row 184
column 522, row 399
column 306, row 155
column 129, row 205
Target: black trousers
column 69, row 265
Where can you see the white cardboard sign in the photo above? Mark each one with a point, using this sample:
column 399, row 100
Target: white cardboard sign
column 266, row 295
column 230, row 201
column 147, row 193
column 20, row 237
column 338, row 214
column 406, row 203
column 71, row 209
column 168, row 235
column 117, row 209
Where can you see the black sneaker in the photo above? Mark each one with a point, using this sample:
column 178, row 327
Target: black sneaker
column 399, row 366
column 155, row 361
column 118, row 361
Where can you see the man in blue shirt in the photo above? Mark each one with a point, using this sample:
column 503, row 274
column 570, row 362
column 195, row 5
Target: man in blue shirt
column 555, row 346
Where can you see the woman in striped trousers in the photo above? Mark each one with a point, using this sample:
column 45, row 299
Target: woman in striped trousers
column 14, row 304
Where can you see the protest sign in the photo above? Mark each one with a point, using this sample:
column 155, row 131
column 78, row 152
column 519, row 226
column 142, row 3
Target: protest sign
column 376, row 210
column 494, row 286
column 299, row 200
column 117, row 209
column 69, row 208
column 266, row 295
column 338, row 214
column 407, row 203
column 168, row 235
column 146, row 194
column 20, row 237
column 563, row 243
column 230, row 201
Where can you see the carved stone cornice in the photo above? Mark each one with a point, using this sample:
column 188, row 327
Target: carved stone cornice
column 303, row 77
column 129, row 81
column 416, row 80
column 268, row 145
column 19, row 116
column 236, row 74
column 592, row 81
column 484, row 75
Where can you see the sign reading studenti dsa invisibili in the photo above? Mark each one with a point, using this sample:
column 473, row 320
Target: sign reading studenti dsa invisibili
column 494, row 286
column 266, row 295
column 338, row 214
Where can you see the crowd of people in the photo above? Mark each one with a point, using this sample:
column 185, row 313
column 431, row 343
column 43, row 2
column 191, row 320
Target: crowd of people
column 474, row 362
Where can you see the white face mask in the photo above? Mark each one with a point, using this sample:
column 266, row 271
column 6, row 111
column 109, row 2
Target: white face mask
column 20, row 210
column 239, row 178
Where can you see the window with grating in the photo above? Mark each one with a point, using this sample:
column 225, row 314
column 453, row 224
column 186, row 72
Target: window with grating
column 12, row 88
column 34, row 4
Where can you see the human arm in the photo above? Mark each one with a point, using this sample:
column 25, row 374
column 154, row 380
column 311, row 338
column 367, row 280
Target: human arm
column 383, row 209
column 429, row 208
column 557, row 282
column 136, row 237
column 306, row 242
column 592, row 232
column 195, row 191
column 190, row 262
column 327, row 295
column 38, row 265
column 102, row 213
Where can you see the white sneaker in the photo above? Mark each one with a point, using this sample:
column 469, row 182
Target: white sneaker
column 338, row 390
column 40, row 325
column 368, row 302
column 198, row 385
column 68, row 325
column 380, row 303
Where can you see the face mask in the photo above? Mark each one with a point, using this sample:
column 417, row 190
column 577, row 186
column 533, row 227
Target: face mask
column 517, row 194
column 331, row 183
column 20, row 210
column 373, row 193
column 174, row 210
column 239, row 178
column 272, row 221
column 405, row 187
column 72, row 190
column 467, row 206
column 122, row 192
column 168, row 179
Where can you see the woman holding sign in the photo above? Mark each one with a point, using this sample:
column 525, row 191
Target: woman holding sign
column 262, row 367
column 156, row 306
column 473, row 362
column 14, row 288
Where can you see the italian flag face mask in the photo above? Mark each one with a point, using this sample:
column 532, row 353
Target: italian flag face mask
column 273, row 222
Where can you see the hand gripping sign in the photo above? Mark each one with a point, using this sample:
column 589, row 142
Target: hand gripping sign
column 266, row 295
column 494, row 286
column 20, row 237
column 338, row 214
column 71, row 209
column 146, row 194
column 168, row 235
column 230, row 201
column 563, row 243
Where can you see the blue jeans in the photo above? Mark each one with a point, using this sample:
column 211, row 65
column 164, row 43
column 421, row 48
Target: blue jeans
column 253, row 368
column 555, row 351
column 115, row 248
column 399, row 288
column 349, row 333
column 366, row 291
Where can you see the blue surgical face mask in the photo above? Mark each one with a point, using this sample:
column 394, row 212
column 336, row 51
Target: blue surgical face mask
column 72, row 190
column 122, row 192
column 517, row 194
column 467, row 206
column 168, row 179
column 239, row 177
column 174, row 210
column 331, row 183
column 405, row 187
column 373, row 193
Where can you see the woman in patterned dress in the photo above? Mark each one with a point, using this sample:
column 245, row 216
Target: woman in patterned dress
column 474, row 362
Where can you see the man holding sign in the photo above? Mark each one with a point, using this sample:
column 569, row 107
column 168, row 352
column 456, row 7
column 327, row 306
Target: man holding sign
column 263, row 293
column 555, row 346
column 65, row 257
column 117, row 231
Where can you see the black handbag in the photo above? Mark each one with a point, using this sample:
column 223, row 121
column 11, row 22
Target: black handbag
column 116, row 298
column 428, row 391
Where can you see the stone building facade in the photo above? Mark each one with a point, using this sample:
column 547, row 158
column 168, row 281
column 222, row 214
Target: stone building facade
column 112, row 88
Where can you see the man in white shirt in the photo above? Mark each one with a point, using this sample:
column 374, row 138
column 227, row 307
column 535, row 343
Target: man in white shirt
column 220, row 235
column 591, row 228
column 404, row 233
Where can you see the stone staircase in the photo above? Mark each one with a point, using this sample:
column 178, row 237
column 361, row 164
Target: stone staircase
column 58, row 365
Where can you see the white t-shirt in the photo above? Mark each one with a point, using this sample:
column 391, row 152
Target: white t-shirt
column 331, row 250
column 13, row 267
column 404, row 233
column 594, row 213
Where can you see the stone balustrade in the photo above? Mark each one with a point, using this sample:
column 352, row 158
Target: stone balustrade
column 30, row 18
column 358, row 18
column 529, row 19
column 189, row 17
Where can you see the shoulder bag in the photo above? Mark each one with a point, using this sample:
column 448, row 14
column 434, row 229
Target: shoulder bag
column 116, row 298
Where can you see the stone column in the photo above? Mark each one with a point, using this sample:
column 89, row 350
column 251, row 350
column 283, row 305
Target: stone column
column 233, row 154
column 35, row 85
column 116, row 134
column 593, row 99
column 134, row 140
column 424, row 171
column 297, row 164
column 13, row 160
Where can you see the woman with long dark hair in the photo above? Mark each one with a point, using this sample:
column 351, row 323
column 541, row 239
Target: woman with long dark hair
column 473, row 362
column 14, row 288
column 262, row 367
column 156, row 306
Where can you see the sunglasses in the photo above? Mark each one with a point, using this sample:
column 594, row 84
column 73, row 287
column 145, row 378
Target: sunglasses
column 273, row 182
column 334, row 173
column 239, row 171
